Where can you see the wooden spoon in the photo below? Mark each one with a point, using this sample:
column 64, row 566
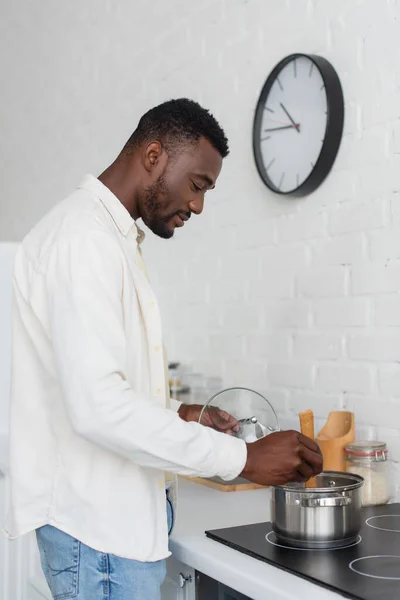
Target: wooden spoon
column 307, row 429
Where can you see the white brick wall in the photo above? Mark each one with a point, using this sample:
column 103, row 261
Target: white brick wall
column 299, row 298
column 341, row 312
column 322, row 281
column 315, row 282
column 318, row 345
column 348, row 249
column 375, row 347
column 343, row 378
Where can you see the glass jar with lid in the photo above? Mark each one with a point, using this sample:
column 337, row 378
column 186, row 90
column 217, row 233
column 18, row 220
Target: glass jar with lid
column 370, row 460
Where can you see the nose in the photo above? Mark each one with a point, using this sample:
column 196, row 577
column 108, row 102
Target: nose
column 196, row 206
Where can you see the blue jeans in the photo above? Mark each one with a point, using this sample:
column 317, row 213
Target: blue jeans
column 73, row 570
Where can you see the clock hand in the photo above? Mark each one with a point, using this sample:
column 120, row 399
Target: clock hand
column 295, row 125
column 285, row 127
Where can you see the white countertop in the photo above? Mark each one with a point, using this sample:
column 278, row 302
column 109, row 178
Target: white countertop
column 200, row 509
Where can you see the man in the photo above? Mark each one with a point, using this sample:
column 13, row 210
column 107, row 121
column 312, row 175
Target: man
column 91, row 432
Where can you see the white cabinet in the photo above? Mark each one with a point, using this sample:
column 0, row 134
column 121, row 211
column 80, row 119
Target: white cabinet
column 37, row 588
column 179, row 583
column 21, row 577
column 3, row 541
column 12, row 555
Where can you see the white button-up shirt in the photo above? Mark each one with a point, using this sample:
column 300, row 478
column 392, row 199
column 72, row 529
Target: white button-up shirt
column 90, row 432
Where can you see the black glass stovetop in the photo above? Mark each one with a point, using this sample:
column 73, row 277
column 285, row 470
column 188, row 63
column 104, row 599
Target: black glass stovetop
column 367, row 570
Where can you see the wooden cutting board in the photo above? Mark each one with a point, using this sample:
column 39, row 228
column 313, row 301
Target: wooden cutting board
column 236, row 485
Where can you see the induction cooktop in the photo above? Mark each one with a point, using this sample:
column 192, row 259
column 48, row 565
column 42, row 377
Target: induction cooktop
column 367, row 570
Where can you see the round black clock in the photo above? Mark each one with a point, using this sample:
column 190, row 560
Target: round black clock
column 298, row 124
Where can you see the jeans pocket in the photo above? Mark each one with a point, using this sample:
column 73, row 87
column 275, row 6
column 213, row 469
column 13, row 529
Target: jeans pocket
column 59, row 556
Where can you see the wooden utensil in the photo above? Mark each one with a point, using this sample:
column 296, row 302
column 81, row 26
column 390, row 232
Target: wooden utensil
column 338, row 431
column 307, row 429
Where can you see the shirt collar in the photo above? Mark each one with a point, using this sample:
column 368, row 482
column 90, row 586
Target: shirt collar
column 121, row 217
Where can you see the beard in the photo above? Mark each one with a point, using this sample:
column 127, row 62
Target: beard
column 153, row 202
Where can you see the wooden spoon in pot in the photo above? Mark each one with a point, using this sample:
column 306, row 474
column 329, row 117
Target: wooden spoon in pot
column 307, row 429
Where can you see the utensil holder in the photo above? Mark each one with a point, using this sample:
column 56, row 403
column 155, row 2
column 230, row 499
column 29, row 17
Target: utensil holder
column 338, row 431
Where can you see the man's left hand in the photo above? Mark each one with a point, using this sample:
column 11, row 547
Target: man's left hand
column 212, row 417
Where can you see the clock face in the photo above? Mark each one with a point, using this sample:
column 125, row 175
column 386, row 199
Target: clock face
column 291, row 126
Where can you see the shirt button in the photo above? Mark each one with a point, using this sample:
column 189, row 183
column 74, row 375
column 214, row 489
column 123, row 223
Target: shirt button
column 157, row 348
column 158, row 391
column 152, row 304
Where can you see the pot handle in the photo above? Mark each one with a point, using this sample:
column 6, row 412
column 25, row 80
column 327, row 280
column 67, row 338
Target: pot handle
column 332, row 501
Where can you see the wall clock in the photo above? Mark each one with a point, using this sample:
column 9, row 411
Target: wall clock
column 298, row 124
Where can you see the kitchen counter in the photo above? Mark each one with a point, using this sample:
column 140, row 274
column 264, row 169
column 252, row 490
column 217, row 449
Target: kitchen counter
column 200, row 509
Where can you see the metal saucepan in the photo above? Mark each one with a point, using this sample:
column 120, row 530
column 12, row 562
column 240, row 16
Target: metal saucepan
column 327, row 516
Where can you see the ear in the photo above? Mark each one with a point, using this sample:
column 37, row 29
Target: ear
column 151, row 155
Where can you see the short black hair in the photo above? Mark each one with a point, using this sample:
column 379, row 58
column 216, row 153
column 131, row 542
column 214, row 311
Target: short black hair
column 178, row 122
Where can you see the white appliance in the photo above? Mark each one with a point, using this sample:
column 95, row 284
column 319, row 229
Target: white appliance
column 7, row 255
column 16, row 558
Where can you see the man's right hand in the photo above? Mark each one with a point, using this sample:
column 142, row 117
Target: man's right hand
column 282, row 457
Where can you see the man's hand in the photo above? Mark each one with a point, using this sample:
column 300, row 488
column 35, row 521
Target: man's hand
column 282, row 457
column 212, row 417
